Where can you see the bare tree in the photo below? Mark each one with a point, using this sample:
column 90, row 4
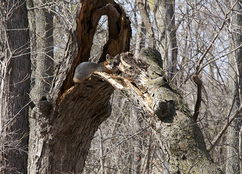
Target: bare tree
column 164, row 14
column 41, row 33
column 15, row 70
column 233, row 153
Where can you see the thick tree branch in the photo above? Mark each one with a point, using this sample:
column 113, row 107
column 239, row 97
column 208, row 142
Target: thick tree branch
column 113, row 17
column 119, row 30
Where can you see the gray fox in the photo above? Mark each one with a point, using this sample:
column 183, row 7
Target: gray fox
column 85, row 69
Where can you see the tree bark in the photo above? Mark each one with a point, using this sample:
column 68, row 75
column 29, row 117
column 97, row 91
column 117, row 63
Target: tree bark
column 233, row 153
column 14, row 86
column 165, row 22
column 181, row 138
column 145, row 18
column 41, row 33
column 64, row 122
column 87, row 20
column 135, row 114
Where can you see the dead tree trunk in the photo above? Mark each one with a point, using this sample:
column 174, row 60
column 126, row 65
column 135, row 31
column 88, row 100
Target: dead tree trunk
column 64, row 122
column 180, row 137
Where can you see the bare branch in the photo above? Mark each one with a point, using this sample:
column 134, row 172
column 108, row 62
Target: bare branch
column 198, row 81
column 225, row 127
column 198, row 70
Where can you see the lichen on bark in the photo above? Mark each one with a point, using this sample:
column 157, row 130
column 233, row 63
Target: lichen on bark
column 181, row 137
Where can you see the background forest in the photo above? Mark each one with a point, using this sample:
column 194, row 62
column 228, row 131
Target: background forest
column 200, row 37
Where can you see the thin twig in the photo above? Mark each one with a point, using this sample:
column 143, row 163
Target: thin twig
column 219, row 135
column 213, row 60
column 199, row 63
column 197, row 70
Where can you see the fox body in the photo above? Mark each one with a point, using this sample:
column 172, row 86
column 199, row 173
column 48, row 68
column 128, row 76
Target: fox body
column 85, row 69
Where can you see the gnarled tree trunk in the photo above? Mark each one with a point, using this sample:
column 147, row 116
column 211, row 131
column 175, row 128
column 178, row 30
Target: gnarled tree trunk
column 64, row 122
column 180, row 138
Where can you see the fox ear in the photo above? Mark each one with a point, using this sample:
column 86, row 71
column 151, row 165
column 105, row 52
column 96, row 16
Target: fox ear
column 108, row 57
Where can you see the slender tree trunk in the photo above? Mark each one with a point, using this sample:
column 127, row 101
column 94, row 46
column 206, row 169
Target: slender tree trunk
column 138, row 33
column 240, row 145
column 14, row 86
column 102, row 161
column 165, row 22
column 146, row 21
column 148, row 162
column 233, row 158
column 41, row 32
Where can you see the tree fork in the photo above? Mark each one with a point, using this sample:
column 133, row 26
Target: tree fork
column 63, row 123
column 119, row 32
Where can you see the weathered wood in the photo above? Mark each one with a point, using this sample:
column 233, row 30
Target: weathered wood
column 64, row 122
column 180, row 136
column 83, row 108
column 119, row 32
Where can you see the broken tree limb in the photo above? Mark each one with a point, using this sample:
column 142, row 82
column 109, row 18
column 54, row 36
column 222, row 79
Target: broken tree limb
column 199, row 83
column 180, row 136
